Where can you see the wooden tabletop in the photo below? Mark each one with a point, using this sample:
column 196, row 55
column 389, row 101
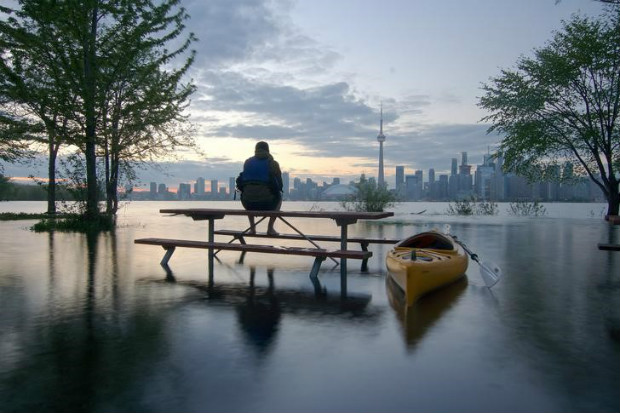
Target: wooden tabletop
column 214, row 213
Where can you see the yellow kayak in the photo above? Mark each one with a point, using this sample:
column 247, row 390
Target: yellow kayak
column 425, row 262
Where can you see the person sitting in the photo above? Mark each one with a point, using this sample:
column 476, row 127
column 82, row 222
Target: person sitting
column 260, row 184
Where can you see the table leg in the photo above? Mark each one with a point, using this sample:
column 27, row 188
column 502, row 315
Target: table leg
column 211, row 251
column 343, row 261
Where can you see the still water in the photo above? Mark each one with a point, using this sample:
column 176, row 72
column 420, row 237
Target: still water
column 94, row 323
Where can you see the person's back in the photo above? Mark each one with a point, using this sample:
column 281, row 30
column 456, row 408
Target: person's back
column 261, row 183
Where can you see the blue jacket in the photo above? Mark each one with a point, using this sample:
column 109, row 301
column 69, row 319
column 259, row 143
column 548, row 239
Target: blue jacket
column 261, row 179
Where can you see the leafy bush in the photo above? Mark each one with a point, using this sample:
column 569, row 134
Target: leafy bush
column 369, row 197
column 527, row 208
column 461, row 207
column 487, row 208
column 469, row 206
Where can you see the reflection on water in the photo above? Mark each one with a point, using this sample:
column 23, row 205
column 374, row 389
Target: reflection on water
column 93, row 323
column 416, row 320
column 260, row 309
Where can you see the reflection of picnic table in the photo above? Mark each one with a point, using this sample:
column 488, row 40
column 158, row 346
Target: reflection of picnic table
column 342, row 218
column 613, row 220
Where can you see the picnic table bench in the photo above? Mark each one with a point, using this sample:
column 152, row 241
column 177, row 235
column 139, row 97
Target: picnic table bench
column 364, row 242
column 342, row 218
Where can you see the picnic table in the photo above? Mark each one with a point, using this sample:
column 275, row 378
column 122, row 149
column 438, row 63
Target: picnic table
column 342, row 219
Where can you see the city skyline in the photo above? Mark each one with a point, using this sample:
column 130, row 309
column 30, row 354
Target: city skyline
column 487, row 182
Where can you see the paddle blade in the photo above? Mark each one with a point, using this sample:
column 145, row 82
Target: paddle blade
column 491, row 273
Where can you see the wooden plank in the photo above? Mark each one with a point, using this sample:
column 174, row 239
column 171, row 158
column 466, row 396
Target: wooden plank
column 295, row 237
column 206, row 213
column 609, row 247
column 268, row 249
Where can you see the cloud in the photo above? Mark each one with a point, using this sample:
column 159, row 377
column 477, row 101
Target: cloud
column 433, row 146
column 230, row 31
column 260, row 77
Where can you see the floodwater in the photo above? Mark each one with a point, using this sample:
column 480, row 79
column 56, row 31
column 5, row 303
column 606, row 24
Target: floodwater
column 94, row 323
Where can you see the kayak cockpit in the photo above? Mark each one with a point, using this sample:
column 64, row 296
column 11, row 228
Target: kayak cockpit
column 427, row 240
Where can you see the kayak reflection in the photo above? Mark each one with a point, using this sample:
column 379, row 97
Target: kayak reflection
column 416, row 320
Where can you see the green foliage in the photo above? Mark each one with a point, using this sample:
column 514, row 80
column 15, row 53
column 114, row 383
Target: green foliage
column 563, row 104
column 527, row 208
column 469, row 206
column 487, row 208
column 75, row 223
column 461, row 207
column 19, row 216
column 369, row 197
column 5, row 187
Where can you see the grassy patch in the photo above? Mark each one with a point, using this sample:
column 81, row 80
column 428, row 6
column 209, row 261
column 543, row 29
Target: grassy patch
column 16, row 216
column 75, row 223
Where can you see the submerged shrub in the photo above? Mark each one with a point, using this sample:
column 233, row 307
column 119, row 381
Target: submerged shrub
column 469, row 206
column 369, row 197
column 527, row 208
column 461, row 207
column 75, row 223
column 487, row 208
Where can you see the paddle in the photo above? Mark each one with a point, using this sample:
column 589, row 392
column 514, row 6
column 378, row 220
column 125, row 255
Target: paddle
column 490, row 272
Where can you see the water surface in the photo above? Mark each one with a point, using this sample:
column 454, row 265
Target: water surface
column 94, row 323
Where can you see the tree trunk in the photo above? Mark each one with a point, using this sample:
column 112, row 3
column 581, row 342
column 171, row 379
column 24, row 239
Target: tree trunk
column 613, row 201
column 108, row 179
column 51, row 176
column 92, row 193
column 112, row 189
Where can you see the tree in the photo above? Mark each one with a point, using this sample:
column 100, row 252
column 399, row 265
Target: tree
column 116, row 89
column 562, row 104
column 369, row 197
column 146, row 97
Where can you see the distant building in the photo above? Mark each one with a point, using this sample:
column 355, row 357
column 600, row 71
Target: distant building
column 286, row 185
column 184, row 192
column 483, row 178
column 231, row 187
column 413, row 188
column 199, row 186
column 400, row 181
column 338, row 192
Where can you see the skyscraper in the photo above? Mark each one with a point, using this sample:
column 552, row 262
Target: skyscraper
column 199, row 186
column 285, row 184
column 381, row 139
column 400, row 179
column 231, row 186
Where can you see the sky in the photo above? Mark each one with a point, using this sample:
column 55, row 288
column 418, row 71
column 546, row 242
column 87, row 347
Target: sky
column 310, row 77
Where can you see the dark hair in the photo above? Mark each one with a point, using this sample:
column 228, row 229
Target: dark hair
column 262, row 145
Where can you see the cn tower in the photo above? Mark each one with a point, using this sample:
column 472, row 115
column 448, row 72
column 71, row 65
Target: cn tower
column 381, row 139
